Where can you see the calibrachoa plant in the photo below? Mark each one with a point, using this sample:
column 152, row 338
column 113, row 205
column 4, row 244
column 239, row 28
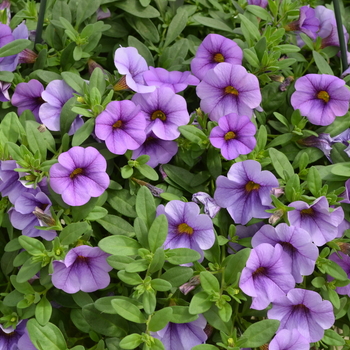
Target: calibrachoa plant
column 174, row 175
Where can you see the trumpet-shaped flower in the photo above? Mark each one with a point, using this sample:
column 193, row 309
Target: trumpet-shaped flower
column 289, row 340
column 307, row 23
column 343, row 260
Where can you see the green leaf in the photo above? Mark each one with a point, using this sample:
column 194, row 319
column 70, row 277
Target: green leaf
column 85, row 9
column 147, row 171
column 251, row 57
column 160, row 319
column 74, row 81
column 131, row 341
column 128, row 310
column 161, row 285
column 145, row 206
column 258, row 11
column 43, row 311
column 116, row 225
column 258, row 333
column 6, row 76
column 200, row 303
column 177, row 25
column 46, row 337
column 181, row 315
column 134, row 7
column 334, row 270
column 119, row 245
column 142, row 49
column 121, row 201
column 332, row 338
column 314, row 181
column 72, row 232
column 67, row 115
column 158, row 232
column 212, row 23
column 341, row 169
column 281, row 163
column 225, row 312
column 14, row 47
column 97, row 213
column 322, row 65
column 234, row 264
column 250, row 27
column 149, row 301
column 177, row 275
column 193, row 134
column 179, row 256
column 24, row 288
column 32, row 245
column 83, row 132
column 209, row 282
column 130, row 277
column 204, row 347
column 28, row 270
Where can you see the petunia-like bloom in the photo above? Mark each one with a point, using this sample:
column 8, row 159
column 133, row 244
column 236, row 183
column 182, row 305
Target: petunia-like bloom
column 228, row 89
column 4, row 91
column 343, row 260
column 132, row 65
column 245, row 192
column 28, row 96
column 344, row 138
column 122, row 126
column 22, row 217
column 160, row 151
column 261, row 3
column 233, row 136
column 289, row 340
column 321, row 98
column 213, row 50
column 182, row 336
column 187, row 227
column 79, row 175
column 316, row 219
column 296, row 243
column 14, row 338
column 210, row 206
column 305, row 311
column 267, row 275
column 323, row 142
column 56, row 94
column 165, row 112
column 175, row 80
column 84, row 268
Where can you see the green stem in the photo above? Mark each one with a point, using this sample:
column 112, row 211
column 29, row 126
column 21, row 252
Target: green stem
column 341, row 37
column 39, row 27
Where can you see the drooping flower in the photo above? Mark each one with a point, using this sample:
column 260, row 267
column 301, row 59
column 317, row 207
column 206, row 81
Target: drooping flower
column 131, row 65
column 305, row 311
column 245, row 192
column 4, row 91
column 102, row 14
column 267, row 275
column 321, row 98
column 214, row 49
column 316, row 219
column 344, row 138
column 322, row 141
column 289, row 340
column 28, row 96
column 122, row 126
column 165, row 112
column 210, row 206
column 79, row 175
column 228, row 89
column 182, row 336
column 175, row 80
column 343, row 260
column 187, row 227
column 233, row 136
column 296, row 243
column 84, row 268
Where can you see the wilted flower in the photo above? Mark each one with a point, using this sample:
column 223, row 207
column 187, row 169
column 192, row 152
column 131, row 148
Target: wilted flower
column 304, row 311
column 322, row 141
column 4, row 91
column 344, row 138
column 321, row 98
column 84, row 268
column 79, row 175
column 210, row 206
column 215, row 49
column 190, row 285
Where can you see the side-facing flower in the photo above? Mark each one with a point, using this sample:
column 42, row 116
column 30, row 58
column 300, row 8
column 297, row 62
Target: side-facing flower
column 316, row 219
column 233, row 136
column 344, row 138
column 305, row 311
column 13, row 339
column 307, row 23
column 343, row 260
column 79, row 175
column 122, row 126
column 4, row 91
column 213, row 50
column 187, row 227
column 267, row 275
column 296, row 243
column 289, row 340
column 228, row 89
column 321, row 98
column 245, row 192
column 210, row 206
column 323, row 142
column 84, row 268
column 182, row 336
column 165, row 112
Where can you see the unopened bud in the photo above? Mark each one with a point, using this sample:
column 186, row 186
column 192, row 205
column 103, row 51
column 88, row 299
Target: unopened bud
column 121, row 84
column 190, row 285
column 275, row 216
column 46, row 219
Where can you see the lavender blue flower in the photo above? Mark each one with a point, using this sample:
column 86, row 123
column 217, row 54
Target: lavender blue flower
column 343, row 260
column 261, row 3
column 289, row 340
column 304, row 311
column 323, row 142
column 4, row 91
column 210, row 206
column 245, row 192
column 243, row 232
column 15, row 339
column 344, row 138
column 228, row 89
column 307, row 22
column 84, row 268
column 79, row 175
column 267, row 275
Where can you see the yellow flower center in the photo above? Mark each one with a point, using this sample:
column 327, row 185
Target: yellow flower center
column 76, row 172
column 231, row 90
column 184, row 228
column 251, row 186
column 218, row 57
column 323, row 95
column 259, row 271
column 229, row 136
column 307, row 212
column 158, row 114
column 117, row 124
column 121, row 84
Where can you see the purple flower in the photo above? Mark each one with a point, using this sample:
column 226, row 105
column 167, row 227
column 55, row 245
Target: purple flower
column 346, row 193
column 321, row 98
column 316, row 219
column 343, row 260
column 289, row 340
column 22, row 217
column 215, row 49
column 210, row 206
column 344, row 138
column 5, row 7
column 132, row 65
column 101, row 14
column 56, row 94
column 229, row 88
column 233, row 136
column 267, row 275
column 79, row 175
column 261, row 3
column 24, row 342
column 13, row 339
column 28, row 96
column 187, row 227
column 165, row 112
column 84, row 268
column 307, row 23
column 304, row 311
column 296, row 243
column 4, row 91
column 160, row 151
column 122, row 126
column 322, row 141
column 176, row 81
column 182, row 336
column 245, row 192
